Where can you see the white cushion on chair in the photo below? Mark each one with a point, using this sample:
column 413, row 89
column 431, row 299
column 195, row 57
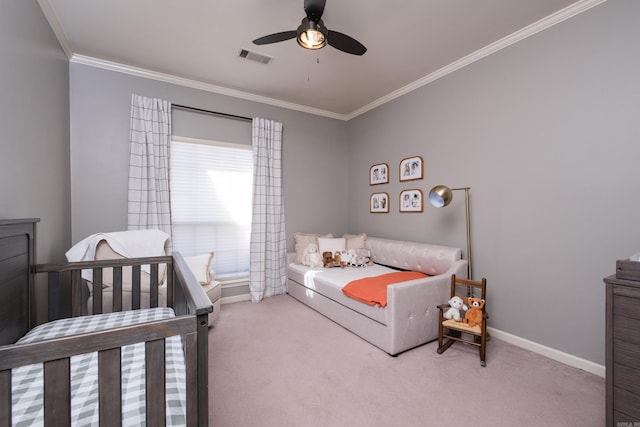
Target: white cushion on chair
column 214, row 292
column 201, row 267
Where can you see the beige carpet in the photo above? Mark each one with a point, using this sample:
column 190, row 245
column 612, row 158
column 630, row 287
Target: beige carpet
column 280, row 363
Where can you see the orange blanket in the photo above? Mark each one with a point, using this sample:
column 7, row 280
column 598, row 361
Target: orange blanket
column 373, row 290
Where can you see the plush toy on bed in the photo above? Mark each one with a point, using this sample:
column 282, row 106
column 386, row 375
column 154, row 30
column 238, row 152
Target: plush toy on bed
column 473, row 316
column 331, row 259
column 345, row 257
column 311, row 257
column 351, row 256
column 327, row 258
column 359, row 257
column 455, row 305
column 337, row 258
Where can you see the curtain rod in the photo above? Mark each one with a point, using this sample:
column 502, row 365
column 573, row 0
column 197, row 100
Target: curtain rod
column 215, row 113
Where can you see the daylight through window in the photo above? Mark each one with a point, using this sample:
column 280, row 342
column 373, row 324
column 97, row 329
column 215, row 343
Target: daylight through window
column 211, row 193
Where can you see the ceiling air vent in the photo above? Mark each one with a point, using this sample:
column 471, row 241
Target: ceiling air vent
column 247, row 54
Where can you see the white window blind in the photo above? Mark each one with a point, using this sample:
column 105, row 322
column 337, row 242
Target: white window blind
column 211, row 193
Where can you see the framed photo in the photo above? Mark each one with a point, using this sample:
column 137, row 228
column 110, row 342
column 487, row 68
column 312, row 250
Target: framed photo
column 411, row 168
column 379, row 203
column 411, row 201
column 379, row 174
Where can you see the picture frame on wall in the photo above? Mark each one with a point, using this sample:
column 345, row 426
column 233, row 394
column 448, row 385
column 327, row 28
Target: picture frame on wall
column 411, row 168
column 379, row 174
column 379, row 203
column 411, row 200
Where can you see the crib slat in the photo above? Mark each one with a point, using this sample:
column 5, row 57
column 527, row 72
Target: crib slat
column 76, row 293
column 153, row 296
column 54, row 296
column 110, row 387
column 155, row 382
column 5, row 398
column 191, row 351
column 117, row 288
column 135, row 287
column 97, row 291
column 57, row 393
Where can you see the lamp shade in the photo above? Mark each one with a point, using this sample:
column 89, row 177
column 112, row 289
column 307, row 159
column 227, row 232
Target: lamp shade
column 440, row 196
column 312, row 35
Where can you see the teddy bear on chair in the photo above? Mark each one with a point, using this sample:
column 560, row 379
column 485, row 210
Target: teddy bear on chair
column 311, row 256
column 473, row 316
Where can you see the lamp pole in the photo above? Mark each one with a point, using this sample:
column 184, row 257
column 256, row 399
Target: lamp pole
column 468, row 218
column 440, row 196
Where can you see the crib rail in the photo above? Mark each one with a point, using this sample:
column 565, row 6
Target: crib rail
column 67, row 295
column 67, row 292
column 55, row 355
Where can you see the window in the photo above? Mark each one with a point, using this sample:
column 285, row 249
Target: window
column 211, row 193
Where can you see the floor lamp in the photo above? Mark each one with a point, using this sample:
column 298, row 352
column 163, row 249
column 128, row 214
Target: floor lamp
column 440, row 196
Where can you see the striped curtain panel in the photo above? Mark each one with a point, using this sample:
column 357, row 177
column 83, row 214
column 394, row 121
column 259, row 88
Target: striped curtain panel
column 148, row 196
column 267, row 264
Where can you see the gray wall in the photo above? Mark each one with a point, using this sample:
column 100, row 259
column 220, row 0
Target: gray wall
column 315, row 167
column 546, row 134
column 34, row 118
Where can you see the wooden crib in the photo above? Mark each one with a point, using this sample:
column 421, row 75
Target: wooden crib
column 172, row 343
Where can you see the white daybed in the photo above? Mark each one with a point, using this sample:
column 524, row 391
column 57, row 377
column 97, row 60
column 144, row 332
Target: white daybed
column 410, row 317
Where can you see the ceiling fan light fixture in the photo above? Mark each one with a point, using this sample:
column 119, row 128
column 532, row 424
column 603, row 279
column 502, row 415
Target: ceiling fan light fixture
column 311, row 34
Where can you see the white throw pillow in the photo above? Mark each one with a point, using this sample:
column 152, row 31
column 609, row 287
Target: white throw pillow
column 303, row 240
column 201, row 265
column 355, row 242
column 331, row 244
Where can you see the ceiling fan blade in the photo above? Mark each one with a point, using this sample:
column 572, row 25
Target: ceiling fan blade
column 314, row 9
column 276, row 37
column 345, row 43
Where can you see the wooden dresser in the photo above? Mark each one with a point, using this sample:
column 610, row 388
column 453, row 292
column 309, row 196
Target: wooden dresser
column 623, row 345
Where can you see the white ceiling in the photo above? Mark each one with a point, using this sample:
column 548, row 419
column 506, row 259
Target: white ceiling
column 196, row 43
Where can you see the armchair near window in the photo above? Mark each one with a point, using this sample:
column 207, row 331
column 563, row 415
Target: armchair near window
column 104, row 251
column 200, row 265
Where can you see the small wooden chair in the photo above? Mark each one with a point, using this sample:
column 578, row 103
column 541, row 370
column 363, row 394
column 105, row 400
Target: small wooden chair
column 453, row 330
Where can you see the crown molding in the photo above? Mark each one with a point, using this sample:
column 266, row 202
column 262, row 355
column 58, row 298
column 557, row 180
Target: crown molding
column 549, row 21
column 54, row 23
column 194, row 84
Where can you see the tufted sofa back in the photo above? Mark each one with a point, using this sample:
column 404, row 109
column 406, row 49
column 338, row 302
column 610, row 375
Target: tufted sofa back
column 427, row 258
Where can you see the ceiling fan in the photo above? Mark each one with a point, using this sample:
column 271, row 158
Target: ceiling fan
column 312, row 34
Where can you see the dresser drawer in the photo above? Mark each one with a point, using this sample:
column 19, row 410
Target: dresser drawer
column 626, row 378
column 626, row 328
column 627, row 354
column 625, row 405
column 626, row 305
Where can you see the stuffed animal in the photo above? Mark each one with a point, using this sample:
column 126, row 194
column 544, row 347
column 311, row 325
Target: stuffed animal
column 360, row 257
column 327, row 259
column 311, row 257
column 351, row 256
column 363, row 256
column 345, row 257
column 331, row 259
column 473, row 316
column 455, row 305
column 336, row 258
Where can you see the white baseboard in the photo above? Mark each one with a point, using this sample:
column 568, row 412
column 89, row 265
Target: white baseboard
column 235, row 298
column 549, row 352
